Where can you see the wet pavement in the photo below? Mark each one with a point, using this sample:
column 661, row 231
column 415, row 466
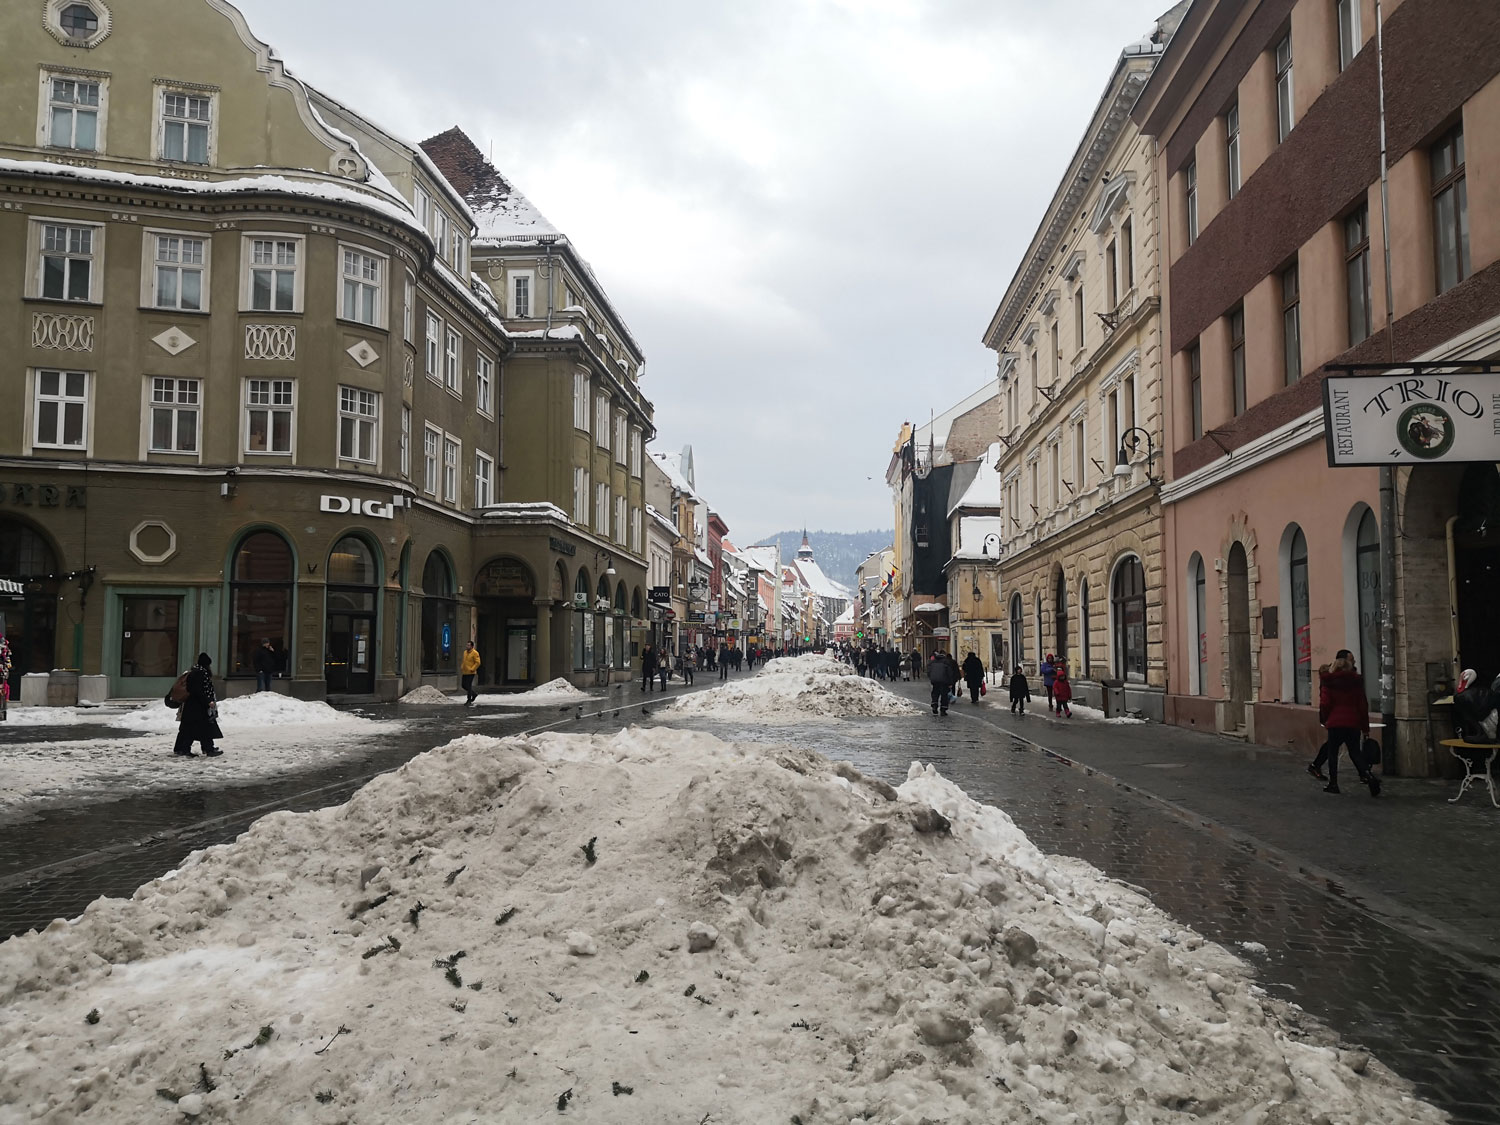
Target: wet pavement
column 1378, row 916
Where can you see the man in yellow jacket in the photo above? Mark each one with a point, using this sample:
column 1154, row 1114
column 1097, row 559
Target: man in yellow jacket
column 467, row 669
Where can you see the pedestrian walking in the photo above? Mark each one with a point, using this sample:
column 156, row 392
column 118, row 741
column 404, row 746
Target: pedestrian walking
column 468, row 670
column 1344, row 709
column 198, row 717
column 1020, row 692
column 265, row 664
column 914, row 663
column 1062, row 688
column 664, row 667
column 942, row 675
column 973, row 670
column 648, row 668
column 723, row 662
column 5, row 667
column 1316, row 768
column 1049, row 674
column 685, row 668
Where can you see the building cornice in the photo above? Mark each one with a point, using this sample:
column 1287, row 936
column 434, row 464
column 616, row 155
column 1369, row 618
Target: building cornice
column 1109, row 122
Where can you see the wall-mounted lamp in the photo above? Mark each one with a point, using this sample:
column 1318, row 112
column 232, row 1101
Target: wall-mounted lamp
column 1130, row 444
column 609, row 564
column 226, row 487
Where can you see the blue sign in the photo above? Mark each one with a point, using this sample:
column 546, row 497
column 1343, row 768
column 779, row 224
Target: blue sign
column 447, row 637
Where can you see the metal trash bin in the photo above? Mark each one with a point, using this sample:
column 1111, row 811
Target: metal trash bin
column 1114, row 698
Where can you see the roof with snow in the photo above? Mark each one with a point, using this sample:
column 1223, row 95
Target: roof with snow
column 814, row 579
column 671, row 464
column 985, row 490
column 980, row 537
column 500, row 209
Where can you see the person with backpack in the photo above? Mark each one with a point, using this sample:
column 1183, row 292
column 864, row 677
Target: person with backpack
column 198, row 714
column 942, row 674
column 1049, row 673
column 1020, row 692
column 1062, row 688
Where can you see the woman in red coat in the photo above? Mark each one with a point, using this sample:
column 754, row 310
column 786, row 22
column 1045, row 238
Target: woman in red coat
column 1344, row 709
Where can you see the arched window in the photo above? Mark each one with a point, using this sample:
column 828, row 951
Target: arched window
column 351, row 563
column 439, row 616
column 1040, row 652
column 1362, row 594
column 1296, row 642
column 1197, row 625
column 583, row 624
column 622, row 625
column 1128, row 612
column 1060, row 610
column 1017, row 632
column 1083, row 627
column 635, row 603
column 260, row 600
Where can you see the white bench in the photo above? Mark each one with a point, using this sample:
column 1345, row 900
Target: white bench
column 1472, row 754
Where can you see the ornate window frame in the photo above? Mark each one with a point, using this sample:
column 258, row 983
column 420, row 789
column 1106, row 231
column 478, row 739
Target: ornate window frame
column 52, row 20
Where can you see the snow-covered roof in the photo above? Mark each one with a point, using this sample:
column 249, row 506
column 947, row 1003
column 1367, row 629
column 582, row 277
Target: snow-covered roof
column 845, row 618
column 702, row 556
column 671, row 464
column 980, row 537
column 666, row 524
column 766, row 558
column 985, row 491
column 534, row 511
column 819, row 583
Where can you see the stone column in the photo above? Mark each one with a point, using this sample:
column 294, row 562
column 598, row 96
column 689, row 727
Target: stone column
column 542, row 658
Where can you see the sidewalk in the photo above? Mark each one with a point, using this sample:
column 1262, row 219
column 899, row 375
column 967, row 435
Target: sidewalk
column 1427, row 865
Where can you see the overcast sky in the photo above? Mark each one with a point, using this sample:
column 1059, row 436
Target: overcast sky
column 806, row 210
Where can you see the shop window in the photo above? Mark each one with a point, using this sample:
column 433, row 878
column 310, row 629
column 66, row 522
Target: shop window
column 622, row 627
column 583, row 625
column 260, row 599
column 1128, row 611
column 28, row 622
column 439, row 615
column 604, row 627
column 148, row 637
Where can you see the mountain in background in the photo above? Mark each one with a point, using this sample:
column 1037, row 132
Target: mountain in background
column 838, row 553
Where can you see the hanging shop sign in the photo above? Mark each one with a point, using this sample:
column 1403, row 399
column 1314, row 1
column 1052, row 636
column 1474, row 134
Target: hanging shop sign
column 353, row 505
column 1411, row 419
column 661, row 595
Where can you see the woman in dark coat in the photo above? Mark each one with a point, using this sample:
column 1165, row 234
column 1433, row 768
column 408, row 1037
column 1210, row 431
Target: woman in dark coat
column 973, row 669
column 1344, row 710
column 198, row 721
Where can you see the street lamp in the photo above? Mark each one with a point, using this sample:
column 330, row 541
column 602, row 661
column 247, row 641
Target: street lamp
column 609, row 564
column 1130, row 444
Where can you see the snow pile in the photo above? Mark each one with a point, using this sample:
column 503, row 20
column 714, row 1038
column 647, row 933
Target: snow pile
column 553, row 691
column 1083, row 711
column 83, row 714
column 796, row 689
column 263, row 709
column 428, row 694
column 653, row 926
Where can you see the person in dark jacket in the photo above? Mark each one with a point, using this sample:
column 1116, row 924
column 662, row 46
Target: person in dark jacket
column 265, row 663
column 1020, row 692
column 942, row 675
column 1344, row 709
column 198, row 721
column 1049, row 673
column 648, row 668
column 973, row 670
column 723, row 662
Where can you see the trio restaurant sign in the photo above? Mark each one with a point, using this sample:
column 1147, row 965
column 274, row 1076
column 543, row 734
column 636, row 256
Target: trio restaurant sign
column 1409, row 419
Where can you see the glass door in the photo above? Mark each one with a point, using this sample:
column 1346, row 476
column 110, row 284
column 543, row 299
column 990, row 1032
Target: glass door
column 349, row 661
column 520, row 637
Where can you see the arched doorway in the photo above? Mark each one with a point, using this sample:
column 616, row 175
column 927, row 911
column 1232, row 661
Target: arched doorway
column 350, row 618
column 583, row 624
column 260, row 601
column 1476, row 571
column 505, row 597
column 1197, row 626
column 28, row 603
column 1128, row 610
column 604, row 627
column 1060, row 614
column 439, row 616
column 1237, row 581
column 1017, row 632
column 622, row 624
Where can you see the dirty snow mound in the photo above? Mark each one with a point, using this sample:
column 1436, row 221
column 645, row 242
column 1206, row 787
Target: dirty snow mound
column 428, row 694
column 553, row 691
column 798, row 690
column 807, row 662
column 263, row 709
column 652, row 926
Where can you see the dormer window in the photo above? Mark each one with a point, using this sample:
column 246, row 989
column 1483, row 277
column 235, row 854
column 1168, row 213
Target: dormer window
column 79, row 21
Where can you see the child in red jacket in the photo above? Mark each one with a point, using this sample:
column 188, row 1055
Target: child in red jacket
column 1062, row 689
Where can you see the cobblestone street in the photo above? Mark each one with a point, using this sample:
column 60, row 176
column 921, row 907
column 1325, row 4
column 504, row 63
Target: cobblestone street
column 1366, row 923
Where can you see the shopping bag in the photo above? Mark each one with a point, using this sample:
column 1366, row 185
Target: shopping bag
column 1370, row 749
column 982, row 689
